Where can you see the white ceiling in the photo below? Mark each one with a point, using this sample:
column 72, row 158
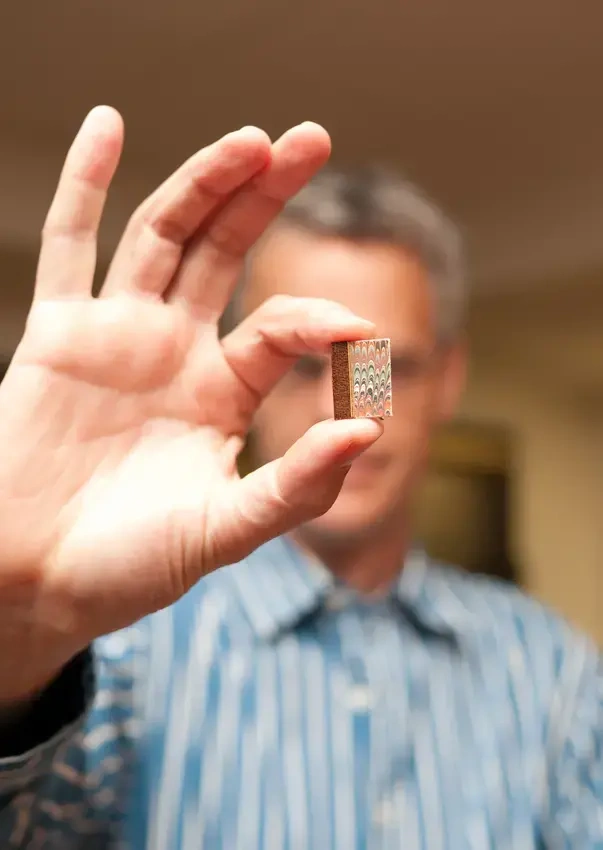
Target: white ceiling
column 494, row 107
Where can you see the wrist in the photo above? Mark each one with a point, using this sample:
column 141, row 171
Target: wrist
column 61, row 703
column 37, row 640
column 28, row 667
column 18, row 690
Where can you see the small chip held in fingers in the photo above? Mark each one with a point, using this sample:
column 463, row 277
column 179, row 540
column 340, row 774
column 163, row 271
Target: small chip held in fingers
column 362, row 379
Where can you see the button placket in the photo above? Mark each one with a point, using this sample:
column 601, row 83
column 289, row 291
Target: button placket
column 387, row 768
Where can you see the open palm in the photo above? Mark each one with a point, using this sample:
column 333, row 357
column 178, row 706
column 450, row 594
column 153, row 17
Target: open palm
column 122, row 415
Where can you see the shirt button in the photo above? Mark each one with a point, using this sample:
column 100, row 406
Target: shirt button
column 114, row 646
column 516, row 661
column 360, row 699
column 384, row 813
column 338, row 599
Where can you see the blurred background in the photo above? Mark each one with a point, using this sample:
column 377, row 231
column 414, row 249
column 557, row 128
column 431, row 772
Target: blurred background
column 495, row 109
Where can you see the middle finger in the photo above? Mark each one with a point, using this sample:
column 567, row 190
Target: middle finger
column 212, row 264
column 151, row 248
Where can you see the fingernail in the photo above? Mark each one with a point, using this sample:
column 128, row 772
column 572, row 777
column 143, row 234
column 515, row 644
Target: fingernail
column 98, row 117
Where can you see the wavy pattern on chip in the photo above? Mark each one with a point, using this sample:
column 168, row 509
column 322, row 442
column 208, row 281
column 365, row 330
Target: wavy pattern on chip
column 370, row 367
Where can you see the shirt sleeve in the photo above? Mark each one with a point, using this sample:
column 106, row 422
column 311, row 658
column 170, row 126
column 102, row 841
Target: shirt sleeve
column 574, row 811
column 28, row 745
column 64, row 778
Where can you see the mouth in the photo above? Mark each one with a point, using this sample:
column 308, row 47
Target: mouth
column 365, row 468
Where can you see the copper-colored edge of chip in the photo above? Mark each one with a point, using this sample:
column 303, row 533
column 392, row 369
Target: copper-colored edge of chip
column 351, row 376
column 340, row 373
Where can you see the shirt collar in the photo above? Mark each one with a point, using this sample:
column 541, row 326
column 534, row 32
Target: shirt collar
column 278, row 586
column 429, row 597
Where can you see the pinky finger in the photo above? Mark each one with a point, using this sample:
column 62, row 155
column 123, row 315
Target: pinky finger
column 281, row 495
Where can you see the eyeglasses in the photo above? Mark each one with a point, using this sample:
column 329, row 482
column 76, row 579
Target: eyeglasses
column 408, row 368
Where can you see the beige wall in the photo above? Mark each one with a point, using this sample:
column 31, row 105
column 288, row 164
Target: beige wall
column 554, row 408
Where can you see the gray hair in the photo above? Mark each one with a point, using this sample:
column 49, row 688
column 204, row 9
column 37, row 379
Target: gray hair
column 377, row 205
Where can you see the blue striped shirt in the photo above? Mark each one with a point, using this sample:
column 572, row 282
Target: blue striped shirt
column 271, row 709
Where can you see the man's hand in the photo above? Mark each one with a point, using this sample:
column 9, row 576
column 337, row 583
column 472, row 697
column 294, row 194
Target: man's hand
column 121, row 416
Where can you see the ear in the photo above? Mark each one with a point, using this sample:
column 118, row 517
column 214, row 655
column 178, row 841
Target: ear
column 453, row 378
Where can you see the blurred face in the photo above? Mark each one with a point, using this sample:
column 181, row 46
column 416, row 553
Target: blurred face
column 386, row 285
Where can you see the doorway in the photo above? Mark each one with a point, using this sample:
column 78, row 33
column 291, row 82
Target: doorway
column 462, row 511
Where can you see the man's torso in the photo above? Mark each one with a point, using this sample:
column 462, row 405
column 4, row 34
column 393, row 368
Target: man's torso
column 261, row 714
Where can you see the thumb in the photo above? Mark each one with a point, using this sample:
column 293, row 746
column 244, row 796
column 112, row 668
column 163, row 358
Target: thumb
column 297, row 487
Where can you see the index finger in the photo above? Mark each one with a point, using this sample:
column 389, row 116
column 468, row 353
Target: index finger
column 267, row 343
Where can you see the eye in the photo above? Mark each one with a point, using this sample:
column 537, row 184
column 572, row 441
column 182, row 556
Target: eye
column 407, row 368
column 309, row 368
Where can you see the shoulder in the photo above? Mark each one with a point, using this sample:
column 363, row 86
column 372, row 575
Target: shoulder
column 517, row 631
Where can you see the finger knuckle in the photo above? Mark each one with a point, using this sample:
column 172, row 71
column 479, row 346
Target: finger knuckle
column 227, row 241
column 276, row 305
